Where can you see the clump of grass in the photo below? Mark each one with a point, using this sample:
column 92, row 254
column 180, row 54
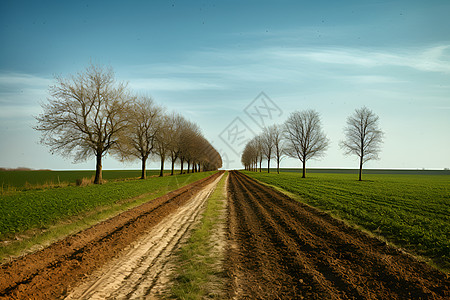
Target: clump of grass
column 43, row 186
column 85, row 181
column 198, row 265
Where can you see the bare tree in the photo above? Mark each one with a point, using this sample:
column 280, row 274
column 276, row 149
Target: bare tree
column 187, row 139
column 84, row 115
column 277, row 134
column 259, row 152
column 163, row 141
column 268, row 144
column 363, row 136
column 304, row 136
column 250, row 155
column 139, row 139
column 176, row 130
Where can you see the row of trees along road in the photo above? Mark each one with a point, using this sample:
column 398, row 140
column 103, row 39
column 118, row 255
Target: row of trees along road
column 301, row 137
column 92, row 114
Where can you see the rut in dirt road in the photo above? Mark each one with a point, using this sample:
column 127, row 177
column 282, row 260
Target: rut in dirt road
column 282, row 249
column 53, row 271
column 143, row 269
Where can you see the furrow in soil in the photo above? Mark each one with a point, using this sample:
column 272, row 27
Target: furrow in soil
column 282, row 249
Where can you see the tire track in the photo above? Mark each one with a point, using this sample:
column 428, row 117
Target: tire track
column 143, row 269
column 51, row 272
column 283, row 249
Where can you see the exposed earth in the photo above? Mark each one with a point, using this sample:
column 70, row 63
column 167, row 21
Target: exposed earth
column 56, row 270
column 282, row 249
column 277, row 248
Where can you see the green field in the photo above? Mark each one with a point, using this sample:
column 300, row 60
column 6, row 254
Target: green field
column 13, row 180
column 29, row 209
column 412, row 211
column 365, row 171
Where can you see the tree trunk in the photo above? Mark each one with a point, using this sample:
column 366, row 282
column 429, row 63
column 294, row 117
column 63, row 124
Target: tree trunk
column 173, row 167
column 260, row 163
column 98, row 169
column 188, row 166
column 278, row 165
column 360, row 168
column 161, row 173
column 304, row 169
column 182, row 163
column 268, row 165
column 143, row 172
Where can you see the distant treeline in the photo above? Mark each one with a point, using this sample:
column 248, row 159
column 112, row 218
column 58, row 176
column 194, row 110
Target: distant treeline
column 22, row 169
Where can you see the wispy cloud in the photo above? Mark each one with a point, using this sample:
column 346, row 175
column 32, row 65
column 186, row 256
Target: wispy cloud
column 222, row 68
column 371, row 79
column 23, row 80
column 20, row 95
column 171, row 84
column 431, row 59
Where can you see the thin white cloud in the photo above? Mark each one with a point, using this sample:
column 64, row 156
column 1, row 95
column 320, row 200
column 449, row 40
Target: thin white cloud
column 171, row 84
column 431, row 59
column 371, row 79
column 18, row 90
column 23, row 80
column 223, row 68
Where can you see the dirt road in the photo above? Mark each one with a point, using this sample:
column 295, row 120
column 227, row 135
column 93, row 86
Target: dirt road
column 281, row 249
column 142, row 270
column 52, row 272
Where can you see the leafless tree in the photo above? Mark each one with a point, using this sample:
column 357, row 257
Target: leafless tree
column 198, row 152
column 304, row 136
column 252, row 154
column 248, row 157
column 363, row 136
column 268, row 144
column 277, row 134
column 139, row 139
column 84, row 115
column 175, row 144
column 259, row 152
column 163, row 141
column 187, row 141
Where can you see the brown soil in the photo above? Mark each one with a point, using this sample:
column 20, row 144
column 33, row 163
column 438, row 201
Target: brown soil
column 282, row 249
column 143, row 269
column 51, row 272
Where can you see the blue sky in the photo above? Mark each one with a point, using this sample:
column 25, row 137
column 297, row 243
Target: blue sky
column 209, row 60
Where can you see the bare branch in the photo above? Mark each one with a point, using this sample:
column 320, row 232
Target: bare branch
column 363, row 137
column 304, row 136
column 84, row 115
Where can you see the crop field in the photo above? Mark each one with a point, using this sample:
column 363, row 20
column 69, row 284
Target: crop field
column 412, row 211
column 25, row 179
column 30, row 209
column 368, row 171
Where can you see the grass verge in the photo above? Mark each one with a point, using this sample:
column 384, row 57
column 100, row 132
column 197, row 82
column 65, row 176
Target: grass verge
column 31, row 220
column 21, row 180
column 409, row 211
column 198, row 273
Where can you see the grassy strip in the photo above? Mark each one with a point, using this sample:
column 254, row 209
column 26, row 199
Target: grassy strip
column 12, row 181
column 38, row 218
column 411, row 211
column 197, row 263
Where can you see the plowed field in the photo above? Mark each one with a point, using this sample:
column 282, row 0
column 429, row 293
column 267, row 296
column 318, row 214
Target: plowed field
column 282, row 249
